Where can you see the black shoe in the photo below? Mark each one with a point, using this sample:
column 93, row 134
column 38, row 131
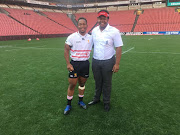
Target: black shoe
column 93, row 102
column 106, row 107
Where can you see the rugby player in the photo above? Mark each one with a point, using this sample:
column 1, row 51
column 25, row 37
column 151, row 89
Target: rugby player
column 79, row 45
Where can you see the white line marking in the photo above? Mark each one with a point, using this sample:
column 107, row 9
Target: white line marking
column 150, row 38
column 13, row 50
column 29, row 47
column 20, row 48
column 156, row 52
column 24, row 43
column 127, row 50
column 5, row 46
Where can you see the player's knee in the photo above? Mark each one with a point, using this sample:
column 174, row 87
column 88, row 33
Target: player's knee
column 82, row 84
column 82, row 87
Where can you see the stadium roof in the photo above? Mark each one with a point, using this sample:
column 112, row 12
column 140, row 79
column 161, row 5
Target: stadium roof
column 79, row 1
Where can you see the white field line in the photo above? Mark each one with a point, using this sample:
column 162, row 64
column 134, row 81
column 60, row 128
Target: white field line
column 128, row 50
column 150, row 38
column 5, row 46
column 25, row 43
column 37, row 47
column 156, row 52
column 19, row 48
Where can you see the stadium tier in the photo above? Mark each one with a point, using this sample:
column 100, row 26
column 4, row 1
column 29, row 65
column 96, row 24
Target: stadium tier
column 164, row 19
column 122, row 20
column 62, row 19
column 37, row 22
column 28, row 22
column 10, row 27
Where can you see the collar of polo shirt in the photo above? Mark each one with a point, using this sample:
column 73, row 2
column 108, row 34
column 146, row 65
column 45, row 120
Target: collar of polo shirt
column 81, row 35
column 106, row 29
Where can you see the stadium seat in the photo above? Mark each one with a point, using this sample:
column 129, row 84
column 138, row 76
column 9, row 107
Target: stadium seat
column 37, row 22
column 162, row 19
column 122, row 20
column 12, row 27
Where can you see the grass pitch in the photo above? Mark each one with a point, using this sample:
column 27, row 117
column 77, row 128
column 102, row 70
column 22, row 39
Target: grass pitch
column 145, row 96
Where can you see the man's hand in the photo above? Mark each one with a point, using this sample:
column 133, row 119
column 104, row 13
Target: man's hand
column 115, row 68
column 118, row 57
column 70, row 67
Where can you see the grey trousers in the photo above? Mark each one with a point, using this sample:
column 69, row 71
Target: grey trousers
column 102, row 71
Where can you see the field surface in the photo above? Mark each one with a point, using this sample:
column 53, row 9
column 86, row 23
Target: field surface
column 145, row 97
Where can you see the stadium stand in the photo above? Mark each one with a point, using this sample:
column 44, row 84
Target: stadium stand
column 27, row 8
column 122, row 20
column 123, row 8
column 133, row 7
column 3, row 5
column 37, row 22
column 159, row 5
column 118, row 19
column 58, row 11
column 91, row 10
column 27, row 22
column 9, row 27
column 81, row 10
column 62, row 19
column 163, row 19
column 112, row 8
column 146, row 6
column 49, row 10
column 15, row 6
column 39, row 9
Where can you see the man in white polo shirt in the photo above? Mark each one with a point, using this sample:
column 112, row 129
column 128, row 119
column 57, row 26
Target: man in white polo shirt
column 104, row 63
column 79, row 44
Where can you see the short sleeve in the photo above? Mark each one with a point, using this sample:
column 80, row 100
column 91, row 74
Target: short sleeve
column 117, row 39
column 91, row 39
column 69, row 41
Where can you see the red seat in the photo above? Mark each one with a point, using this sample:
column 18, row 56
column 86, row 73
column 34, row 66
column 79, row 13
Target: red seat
column 163, row 19
column 12, row 27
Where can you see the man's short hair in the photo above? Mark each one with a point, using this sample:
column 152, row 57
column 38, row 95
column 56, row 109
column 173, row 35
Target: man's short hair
column 82, row 18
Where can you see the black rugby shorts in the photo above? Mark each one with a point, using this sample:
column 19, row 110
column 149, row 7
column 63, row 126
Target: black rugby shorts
column 81, row 68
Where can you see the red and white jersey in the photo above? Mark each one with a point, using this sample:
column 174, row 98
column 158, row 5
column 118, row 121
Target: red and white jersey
column 80, row 46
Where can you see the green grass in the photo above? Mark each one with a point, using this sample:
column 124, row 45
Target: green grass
column 145, row 96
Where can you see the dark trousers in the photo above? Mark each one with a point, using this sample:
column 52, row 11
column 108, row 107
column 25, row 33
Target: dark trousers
column 102, row 70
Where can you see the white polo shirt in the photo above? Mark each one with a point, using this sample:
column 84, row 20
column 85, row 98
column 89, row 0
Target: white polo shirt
column 105, row 41
column 80, row 46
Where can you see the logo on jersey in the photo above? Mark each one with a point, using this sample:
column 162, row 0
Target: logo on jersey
column 75, row 74
column 107, row 42
column 78, row 41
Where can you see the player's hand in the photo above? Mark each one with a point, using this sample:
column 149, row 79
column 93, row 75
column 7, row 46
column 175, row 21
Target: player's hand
column 115, row 68
column 70, row 67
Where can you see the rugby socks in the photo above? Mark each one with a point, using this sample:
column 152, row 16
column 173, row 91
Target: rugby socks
column 81, row 93
column 81, row 97
column 69, row 99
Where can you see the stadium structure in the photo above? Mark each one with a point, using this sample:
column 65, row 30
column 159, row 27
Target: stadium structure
column 22, row 19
